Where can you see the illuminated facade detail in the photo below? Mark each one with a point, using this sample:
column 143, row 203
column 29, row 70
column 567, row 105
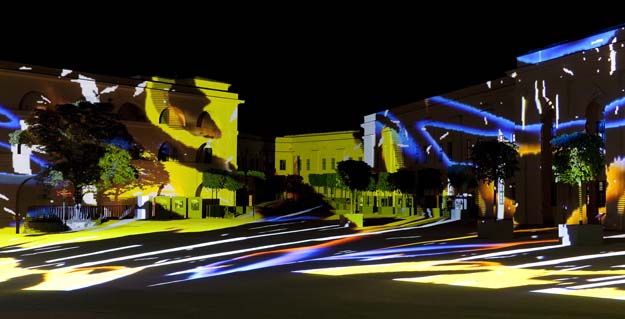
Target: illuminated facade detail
column 161, row 114
column 473, row 113
column 592, row 42
column 319, row 148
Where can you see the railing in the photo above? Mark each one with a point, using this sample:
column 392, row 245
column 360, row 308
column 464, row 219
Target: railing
column 64, row 213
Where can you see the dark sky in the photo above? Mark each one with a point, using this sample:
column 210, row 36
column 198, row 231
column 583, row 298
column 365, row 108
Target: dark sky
column 308, row 70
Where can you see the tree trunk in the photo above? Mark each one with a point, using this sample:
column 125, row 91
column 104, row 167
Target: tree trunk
column 495, row 184
column 581, row 208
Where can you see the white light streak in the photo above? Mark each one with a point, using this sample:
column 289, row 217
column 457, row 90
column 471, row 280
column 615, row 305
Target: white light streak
column 600, row 40
column 109, row 89
column 539, row 106
column 65, row 72
column 523, row 108
column 443, row 136
column 49, row 251
column 91, row 254
column 189, row 247
column 557, row 110
column 235, row 114
column 612, row 57
column 139, row 88
column 569, row 259
column 568, row 71
column 488, row 83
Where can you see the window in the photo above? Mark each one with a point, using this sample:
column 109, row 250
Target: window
column 282, row 165
column 333, row 163
column 323, row 164
column 308, row 164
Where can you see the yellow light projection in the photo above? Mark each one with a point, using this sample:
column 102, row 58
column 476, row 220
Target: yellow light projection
column 67, row 279
column 391, row 152
column 9, row 269
column 615, row 175
column 173, row 121
column 529, row 149
column 485, row 274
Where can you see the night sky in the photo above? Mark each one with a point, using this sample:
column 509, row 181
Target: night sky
column 314, row 69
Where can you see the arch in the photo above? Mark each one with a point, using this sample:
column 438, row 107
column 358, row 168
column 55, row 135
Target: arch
column 207, row 126
column 33, row 100
column 167, row 152
column 204, row 154
column 131, row 112
column 172, row 116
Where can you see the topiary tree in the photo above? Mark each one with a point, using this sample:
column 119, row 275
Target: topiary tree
column 578, row 158
column 494, row 161
column 355, row 175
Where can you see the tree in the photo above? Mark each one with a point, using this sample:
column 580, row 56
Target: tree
column 460, row 177
column 494, row 161
column 74, row 138
column 116, row 170
column 578, row 158
column 214, row 180
column 405, row 181
column 354, row 175
column 429, row 185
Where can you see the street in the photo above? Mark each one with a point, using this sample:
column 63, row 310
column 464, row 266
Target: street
column 316, row 269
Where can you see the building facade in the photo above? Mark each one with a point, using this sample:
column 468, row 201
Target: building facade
column 316, row 153
column 576, row 86
column 185, row 126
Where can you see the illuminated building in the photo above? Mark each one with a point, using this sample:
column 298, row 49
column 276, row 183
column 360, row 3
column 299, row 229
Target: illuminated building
column 573, row 86
column 185, row 126
column 316, row 153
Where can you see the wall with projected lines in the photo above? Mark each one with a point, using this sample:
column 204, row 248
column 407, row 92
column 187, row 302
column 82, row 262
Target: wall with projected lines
column 575, row 86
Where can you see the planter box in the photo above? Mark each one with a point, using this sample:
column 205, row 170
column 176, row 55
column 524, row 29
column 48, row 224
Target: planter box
column 581, row 235
column 495, row 229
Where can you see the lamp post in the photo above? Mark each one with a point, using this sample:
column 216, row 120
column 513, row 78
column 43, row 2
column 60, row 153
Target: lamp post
column 17, row 203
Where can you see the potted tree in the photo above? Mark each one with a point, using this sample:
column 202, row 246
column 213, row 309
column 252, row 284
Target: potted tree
column 577, row 159
column 494, row 161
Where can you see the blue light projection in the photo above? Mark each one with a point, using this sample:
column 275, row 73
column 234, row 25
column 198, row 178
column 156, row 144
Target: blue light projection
column 555, row 52
column 392, row 253
column 496, row 125
column 33, row 158
column 13, row 121
column 412, row 148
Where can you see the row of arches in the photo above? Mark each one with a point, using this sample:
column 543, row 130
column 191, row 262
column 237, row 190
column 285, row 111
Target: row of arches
column 171, row 115
column 168, row 152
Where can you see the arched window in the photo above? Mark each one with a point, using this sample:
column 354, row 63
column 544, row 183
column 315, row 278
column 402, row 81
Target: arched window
column 207, row 126
column 167, row 152
column 172, row 116
column 131, row 112
column 33, row 100
column 204, row 154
